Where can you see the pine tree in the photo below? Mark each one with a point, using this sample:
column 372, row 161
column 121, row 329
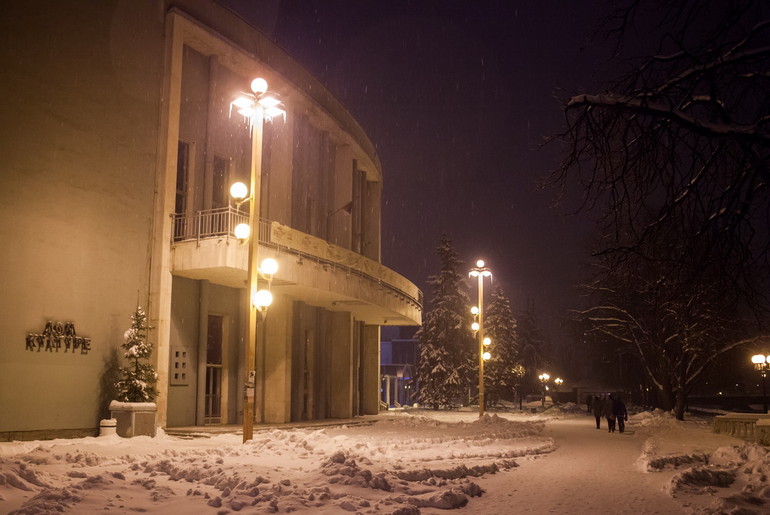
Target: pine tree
column 533, row 347
column 502, row 373
column 139, row 378
column 446, row 346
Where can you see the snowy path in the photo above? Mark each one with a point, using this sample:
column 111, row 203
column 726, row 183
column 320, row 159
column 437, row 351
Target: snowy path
column 591, row 471
column 399, row 463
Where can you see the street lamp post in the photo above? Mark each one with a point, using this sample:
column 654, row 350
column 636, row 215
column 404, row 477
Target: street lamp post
column 762, row 363
column 257, row 107
column 556, row 385
column 480, row 271
column 543, row 381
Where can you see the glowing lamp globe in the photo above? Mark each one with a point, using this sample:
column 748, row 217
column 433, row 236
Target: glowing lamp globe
column 475, row 310
column 487, row 341
column 242, row 231
column 486, row 356
column 475, row 326
column 259, row 86
column 269, row 266
column 480, row 263
column 239, row 190
column 262, row 299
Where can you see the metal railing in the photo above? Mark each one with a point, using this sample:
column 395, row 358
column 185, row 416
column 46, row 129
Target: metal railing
column 220, row 223
column 212, row 223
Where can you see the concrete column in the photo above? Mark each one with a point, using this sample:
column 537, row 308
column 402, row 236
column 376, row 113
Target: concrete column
column 203, row 336
column 370, row 370
column 341, row 380
column 159, row 312
column 240, row 374
column 274, row 362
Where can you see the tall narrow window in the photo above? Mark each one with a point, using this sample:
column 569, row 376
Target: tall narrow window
column 219, row 183
column 359, row 194
column 182, row 173
column 180, row 201
column 213, row 412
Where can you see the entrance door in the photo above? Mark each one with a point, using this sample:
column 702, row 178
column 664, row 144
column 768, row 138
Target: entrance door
column 213, row 412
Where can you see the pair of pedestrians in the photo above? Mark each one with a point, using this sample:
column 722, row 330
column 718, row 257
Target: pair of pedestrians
column 614, row 410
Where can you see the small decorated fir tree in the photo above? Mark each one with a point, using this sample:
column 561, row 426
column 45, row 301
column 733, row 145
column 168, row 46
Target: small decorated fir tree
column 139, row 377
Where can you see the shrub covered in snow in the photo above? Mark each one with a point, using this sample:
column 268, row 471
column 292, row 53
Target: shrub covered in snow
column 137, row 383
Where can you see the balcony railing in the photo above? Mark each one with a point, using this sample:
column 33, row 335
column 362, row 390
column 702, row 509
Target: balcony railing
column 220, row 223
column 214, row 223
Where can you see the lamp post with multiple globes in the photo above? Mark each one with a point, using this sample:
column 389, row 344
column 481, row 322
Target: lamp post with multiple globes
column 556, row 385
column 544, row 377
column 480, row 272
column 258, row 107
column 762, row 363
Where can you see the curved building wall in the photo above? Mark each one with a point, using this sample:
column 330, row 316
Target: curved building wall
column 119, row 146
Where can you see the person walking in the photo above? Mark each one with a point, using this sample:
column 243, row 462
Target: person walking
column 620, row 413
column 598, row 410
column 609, row 413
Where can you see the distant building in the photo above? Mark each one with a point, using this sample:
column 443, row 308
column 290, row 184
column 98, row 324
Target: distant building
column 118, row 149
column 398, row 367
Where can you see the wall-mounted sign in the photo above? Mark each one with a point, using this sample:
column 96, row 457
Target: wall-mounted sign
column 58, row 336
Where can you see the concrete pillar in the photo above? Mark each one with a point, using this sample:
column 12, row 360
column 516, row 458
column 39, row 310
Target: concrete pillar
column 274, row 357
column 203, row 336
column 370, row 370
column 341, row 380
column 240, row 374
column 159, row 312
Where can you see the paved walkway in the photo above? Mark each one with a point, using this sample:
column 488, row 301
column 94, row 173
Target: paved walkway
column 591, row 471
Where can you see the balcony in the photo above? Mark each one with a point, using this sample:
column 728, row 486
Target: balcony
column 312, row 269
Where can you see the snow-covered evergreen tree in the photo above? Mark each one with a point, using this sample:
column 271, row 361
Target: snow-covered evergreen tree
column 533, row 347
column 138, row 378
column 446, row 345
column 502, row 373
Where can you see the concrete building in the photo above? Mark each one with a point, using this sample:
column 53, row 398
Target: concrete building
column 118, row 148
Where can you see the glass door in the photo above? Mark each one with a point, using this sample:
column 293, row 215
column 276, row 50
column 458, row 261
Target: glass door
column 213, row 413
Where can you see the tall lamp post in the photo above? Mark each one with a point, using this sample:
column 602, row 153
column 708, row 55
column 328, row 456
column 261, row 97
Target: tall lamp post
column 556, row 385
column 762, row 363
column 480, row 272
column 544, row 381
column 257, row 106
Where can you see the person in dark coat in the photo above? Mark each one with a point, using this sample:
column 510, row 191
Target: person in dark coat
column 620, row 413
column 609, row 413
column 598, row 409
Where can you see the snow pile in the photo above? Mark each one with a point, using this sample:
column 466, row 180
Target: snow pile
column 729, row 479
column 397, row 465
column 737, row 476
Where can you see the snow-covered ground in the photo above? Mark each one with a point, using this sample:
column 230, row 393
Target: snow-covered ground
column 401, row 463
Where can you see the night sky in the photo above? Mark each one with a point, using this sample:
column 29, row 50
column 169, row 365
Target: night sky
column 458, row 98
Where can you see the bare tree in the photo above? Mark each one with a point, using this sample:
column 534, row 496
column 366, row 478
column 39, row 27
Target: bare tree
column 676, row 333
column 674, row 159
column 680, row 144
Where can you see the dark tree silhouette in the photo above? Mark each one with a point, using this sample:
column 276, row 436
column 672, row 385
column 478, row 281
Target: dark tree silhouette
column 445, row 341
column 674, row 159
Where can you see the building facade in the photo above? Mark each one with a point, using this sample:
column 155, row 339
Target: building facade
column 119, row 145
